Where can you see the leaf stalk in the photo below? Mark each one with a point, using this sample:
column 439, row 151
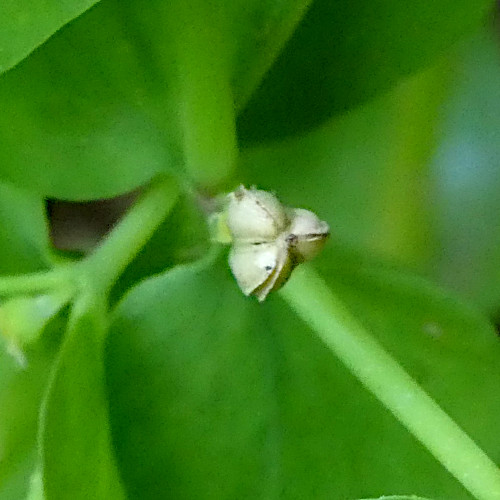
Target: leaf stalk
column 310, row 297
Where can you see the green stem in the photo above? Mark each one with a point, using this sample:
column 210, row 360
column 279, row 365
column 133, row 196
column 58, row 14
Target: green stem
column 313, row 301
column 58, row 278
column 204, row 85
column 107, row 262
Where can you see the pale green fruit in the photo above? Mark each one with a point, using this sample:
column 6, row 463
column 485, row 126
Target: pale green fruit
column 255, row 216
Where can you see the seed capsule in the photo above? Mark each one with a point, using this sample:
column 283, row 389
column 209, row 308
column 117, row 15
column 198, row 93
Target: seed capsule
column 260, row 268
column 269, row 240
column 255, row 216
column 307, row 234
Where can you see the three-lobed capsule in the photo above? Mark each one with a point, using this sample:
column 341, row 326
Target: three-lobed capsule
column 269, row 240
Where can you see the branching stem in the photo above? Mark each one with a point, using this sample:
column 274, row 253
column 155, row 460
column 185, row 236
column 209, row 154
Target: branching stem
column 32, row 283
column 103, row 267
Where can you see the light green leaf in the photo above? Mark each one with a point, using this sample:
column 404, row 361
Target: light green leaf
column 21, row 391
column 26, row 25
column 111, row 99
column 23, row 318
column 77, row 460
column 125, row 92
column 213, row 395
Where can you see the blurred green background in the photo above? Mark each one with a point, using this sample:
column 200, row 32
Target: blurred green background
column 414, row 174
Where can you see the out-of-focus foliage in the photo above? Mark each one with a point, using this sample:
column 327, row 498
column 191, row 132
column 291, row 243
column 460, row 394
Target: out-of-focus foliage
column 375, row 43
column 465, row 172
column 26, row 25
column 256, row 392
column 95, row 111
column 412, row 175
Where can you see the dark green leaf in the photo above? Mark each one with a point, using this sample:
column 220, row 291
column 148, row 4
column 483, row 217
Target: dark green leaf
column 77, row 461
column 365, row 172
column 215, row 396
column 345, row 52
column 194, row 428
column 25, row 25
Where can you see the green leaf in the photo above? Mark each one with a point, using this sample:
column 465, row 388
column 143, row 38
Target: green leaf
column 21, row 391
column 260, row 30
column 23, row 318
column 345, row 52
column 213, row 395
column 24, row 247
column 108, row 101
column 220, row 436
column 77, row 460
column 112, row 114
column 87, row 111
column 26, row 25
column 24, row 240
column 15, row 485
